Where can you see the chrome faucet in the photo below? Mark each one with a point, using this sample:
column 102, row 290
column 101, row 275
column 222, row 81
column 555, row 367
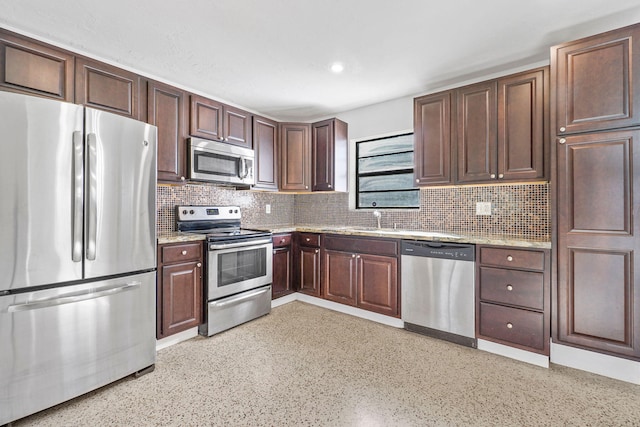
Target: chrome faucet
column 378, row 215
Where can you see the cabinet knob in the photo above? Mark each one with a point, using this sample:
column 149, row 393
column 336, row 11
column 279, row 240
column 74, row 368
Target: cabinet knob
column 493, row 176
column 199, row 265
column 182, row 178
column 417, row 180
column 184, row 252
column 306, row 187
column 282, row 240
column 358, row 257
column 353, row 255
column 329, row 185
column 562, row 140
column 317, row 250
column 509, row 325
column 562, row 129
column 509, row 258
column 509, row 287
column 501, row 176
column 307, row 239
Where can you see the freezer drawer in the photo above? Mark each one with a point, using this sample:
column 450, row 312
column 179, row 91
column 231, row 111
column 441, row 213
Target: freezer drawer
column 62, row 342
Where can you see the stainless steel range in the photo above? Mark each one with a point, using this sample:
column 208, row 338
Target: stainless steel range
column 238, row 265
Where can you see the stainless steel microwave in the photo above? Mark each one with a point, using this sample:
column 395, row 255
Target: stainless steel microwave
column 219, row 162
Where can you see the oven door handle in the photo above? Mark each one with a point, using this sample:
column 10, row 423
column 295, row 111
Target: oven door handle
column 237, row 299
column 247, row 243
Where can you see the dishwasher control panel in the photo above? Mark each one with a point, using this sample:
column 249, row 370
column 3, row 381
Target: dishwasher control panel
column 445, row 250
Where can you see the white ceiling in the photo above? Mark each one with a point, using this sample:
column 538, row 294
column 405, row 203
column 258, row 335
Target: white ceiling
column 273, row 57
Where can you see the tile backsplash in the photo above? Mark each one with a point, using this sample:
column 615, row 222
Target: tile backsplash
column 517, row 210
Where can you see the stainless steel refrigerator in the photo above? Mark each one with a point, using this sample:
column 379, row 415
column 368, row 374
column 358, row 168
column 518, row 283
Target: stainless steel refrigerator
column 77, row 251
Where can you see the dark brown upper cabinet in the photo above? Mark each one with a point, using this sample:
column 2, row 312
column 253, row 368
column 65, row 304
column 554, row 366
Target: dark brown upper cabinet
column 477, row 132
column 432, row 136
column 167, row 109
column 265, row 144
column 33, row 68
column 329, row 153
column 295, row 157
column 102, row 86
column 523, row 126
column 214, row 120
column 597, row 81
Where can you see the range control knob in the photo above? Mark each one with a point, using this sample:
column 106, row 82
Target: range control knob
column 184, row 212
column 191, row 212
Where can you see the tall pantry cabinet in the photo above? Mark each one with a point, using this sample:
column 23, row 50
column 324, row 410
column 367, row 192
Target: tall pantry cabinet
column 596, row 120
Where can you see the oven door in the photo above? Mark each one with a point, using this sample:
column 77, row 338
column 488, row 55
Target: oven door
column 238, row 267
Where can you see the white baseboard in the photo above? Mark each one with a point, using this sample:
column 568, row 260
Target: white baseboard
column 353, row 311
column 284, row 300
column 597, row 363
column 514, row 353
column 177, row 338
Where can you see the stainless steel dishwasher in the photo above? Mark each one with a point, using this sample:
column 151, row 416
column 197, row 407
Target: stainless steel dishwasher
column 438, row 283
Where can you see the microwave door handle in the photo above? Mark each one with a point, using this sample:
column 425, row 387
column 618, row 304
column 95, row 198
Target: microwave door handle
column 243, row 168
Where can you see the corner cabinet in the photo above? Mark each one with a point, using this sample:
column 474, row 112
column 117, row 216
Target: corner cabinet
column 295, row 157
column 329, row 153
column 167, row 108
column 265, row 145
column 361, row 272
column 307, row 262
column 180, row 287
column 33, row 68
column 282, row 265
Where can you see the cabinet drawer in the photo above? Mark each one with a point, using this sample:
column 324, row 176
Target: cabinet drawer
column 512, row 258
column 523, row 288
column 522, row 327
column 309, row 239
column 181, row 252
column 280, row 240
column 362, row 245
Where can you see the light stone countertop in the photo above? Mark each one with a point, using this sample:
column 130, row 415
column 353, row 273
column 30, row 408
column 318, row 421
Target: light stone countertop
column 411, row 234
column 178, row 236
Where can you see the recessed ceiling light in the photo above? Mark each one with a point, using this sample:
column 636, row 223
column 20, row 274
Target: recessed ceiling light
column 337, row 67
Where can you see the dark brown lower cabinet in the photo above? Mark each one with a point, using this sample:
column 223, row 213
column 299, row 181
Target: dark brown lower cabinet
column 282, row 266
column 362, row 272
column 179, row 288
column 513, row 297
column 307, row 263
column 597, row 294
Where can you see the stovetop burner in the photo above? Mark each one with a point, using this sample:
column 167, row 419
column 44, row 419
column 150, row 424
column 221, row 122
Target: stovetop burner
column 219, row 223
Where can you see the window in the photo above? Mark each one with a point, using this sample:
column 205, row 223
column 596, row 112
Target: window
column 384, row 173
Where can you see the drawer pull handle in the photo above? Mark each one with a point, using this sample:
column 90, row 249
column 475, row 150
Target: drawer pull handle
column 509, row 258
column 509, row 287
column 184, row 252
column 282, row 240
column 509, row 325
column 308, row 239
column 199, row 265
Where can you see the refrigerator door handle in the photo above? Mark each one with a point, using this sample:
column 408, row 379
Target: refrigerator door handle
column 92, row 189
column 73, row 297
column 78, row 194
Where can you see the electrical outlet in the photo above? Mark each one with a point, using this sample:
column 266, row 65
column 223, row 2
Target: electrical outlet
column 267, row 208
column 483, row 208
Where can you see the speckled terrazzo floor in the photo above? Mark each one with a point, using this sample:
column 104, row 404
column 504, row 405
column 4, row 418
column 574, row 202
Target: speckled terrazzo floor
column 307, row 366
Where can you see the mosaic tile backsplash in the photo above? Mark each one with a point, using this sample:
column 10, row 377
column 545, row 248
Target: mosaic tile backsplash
column 518, row 211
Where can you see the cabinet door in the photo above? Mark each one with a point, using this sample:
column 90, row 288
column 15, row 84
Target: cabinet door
column 166, row 109
column 35, row 69
column 329, row 151
column 522, row 118
column 432, row 135
column 597, row 80
column 295, row 157
column 181, row 297
column 237, row 126
column 339, row 277
column 378, row 284
column 108, row 88
column 476, row 132
column 309, row 260
column 206, row 118
column 598, row 289
column 265, row 145
column 281, row 282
